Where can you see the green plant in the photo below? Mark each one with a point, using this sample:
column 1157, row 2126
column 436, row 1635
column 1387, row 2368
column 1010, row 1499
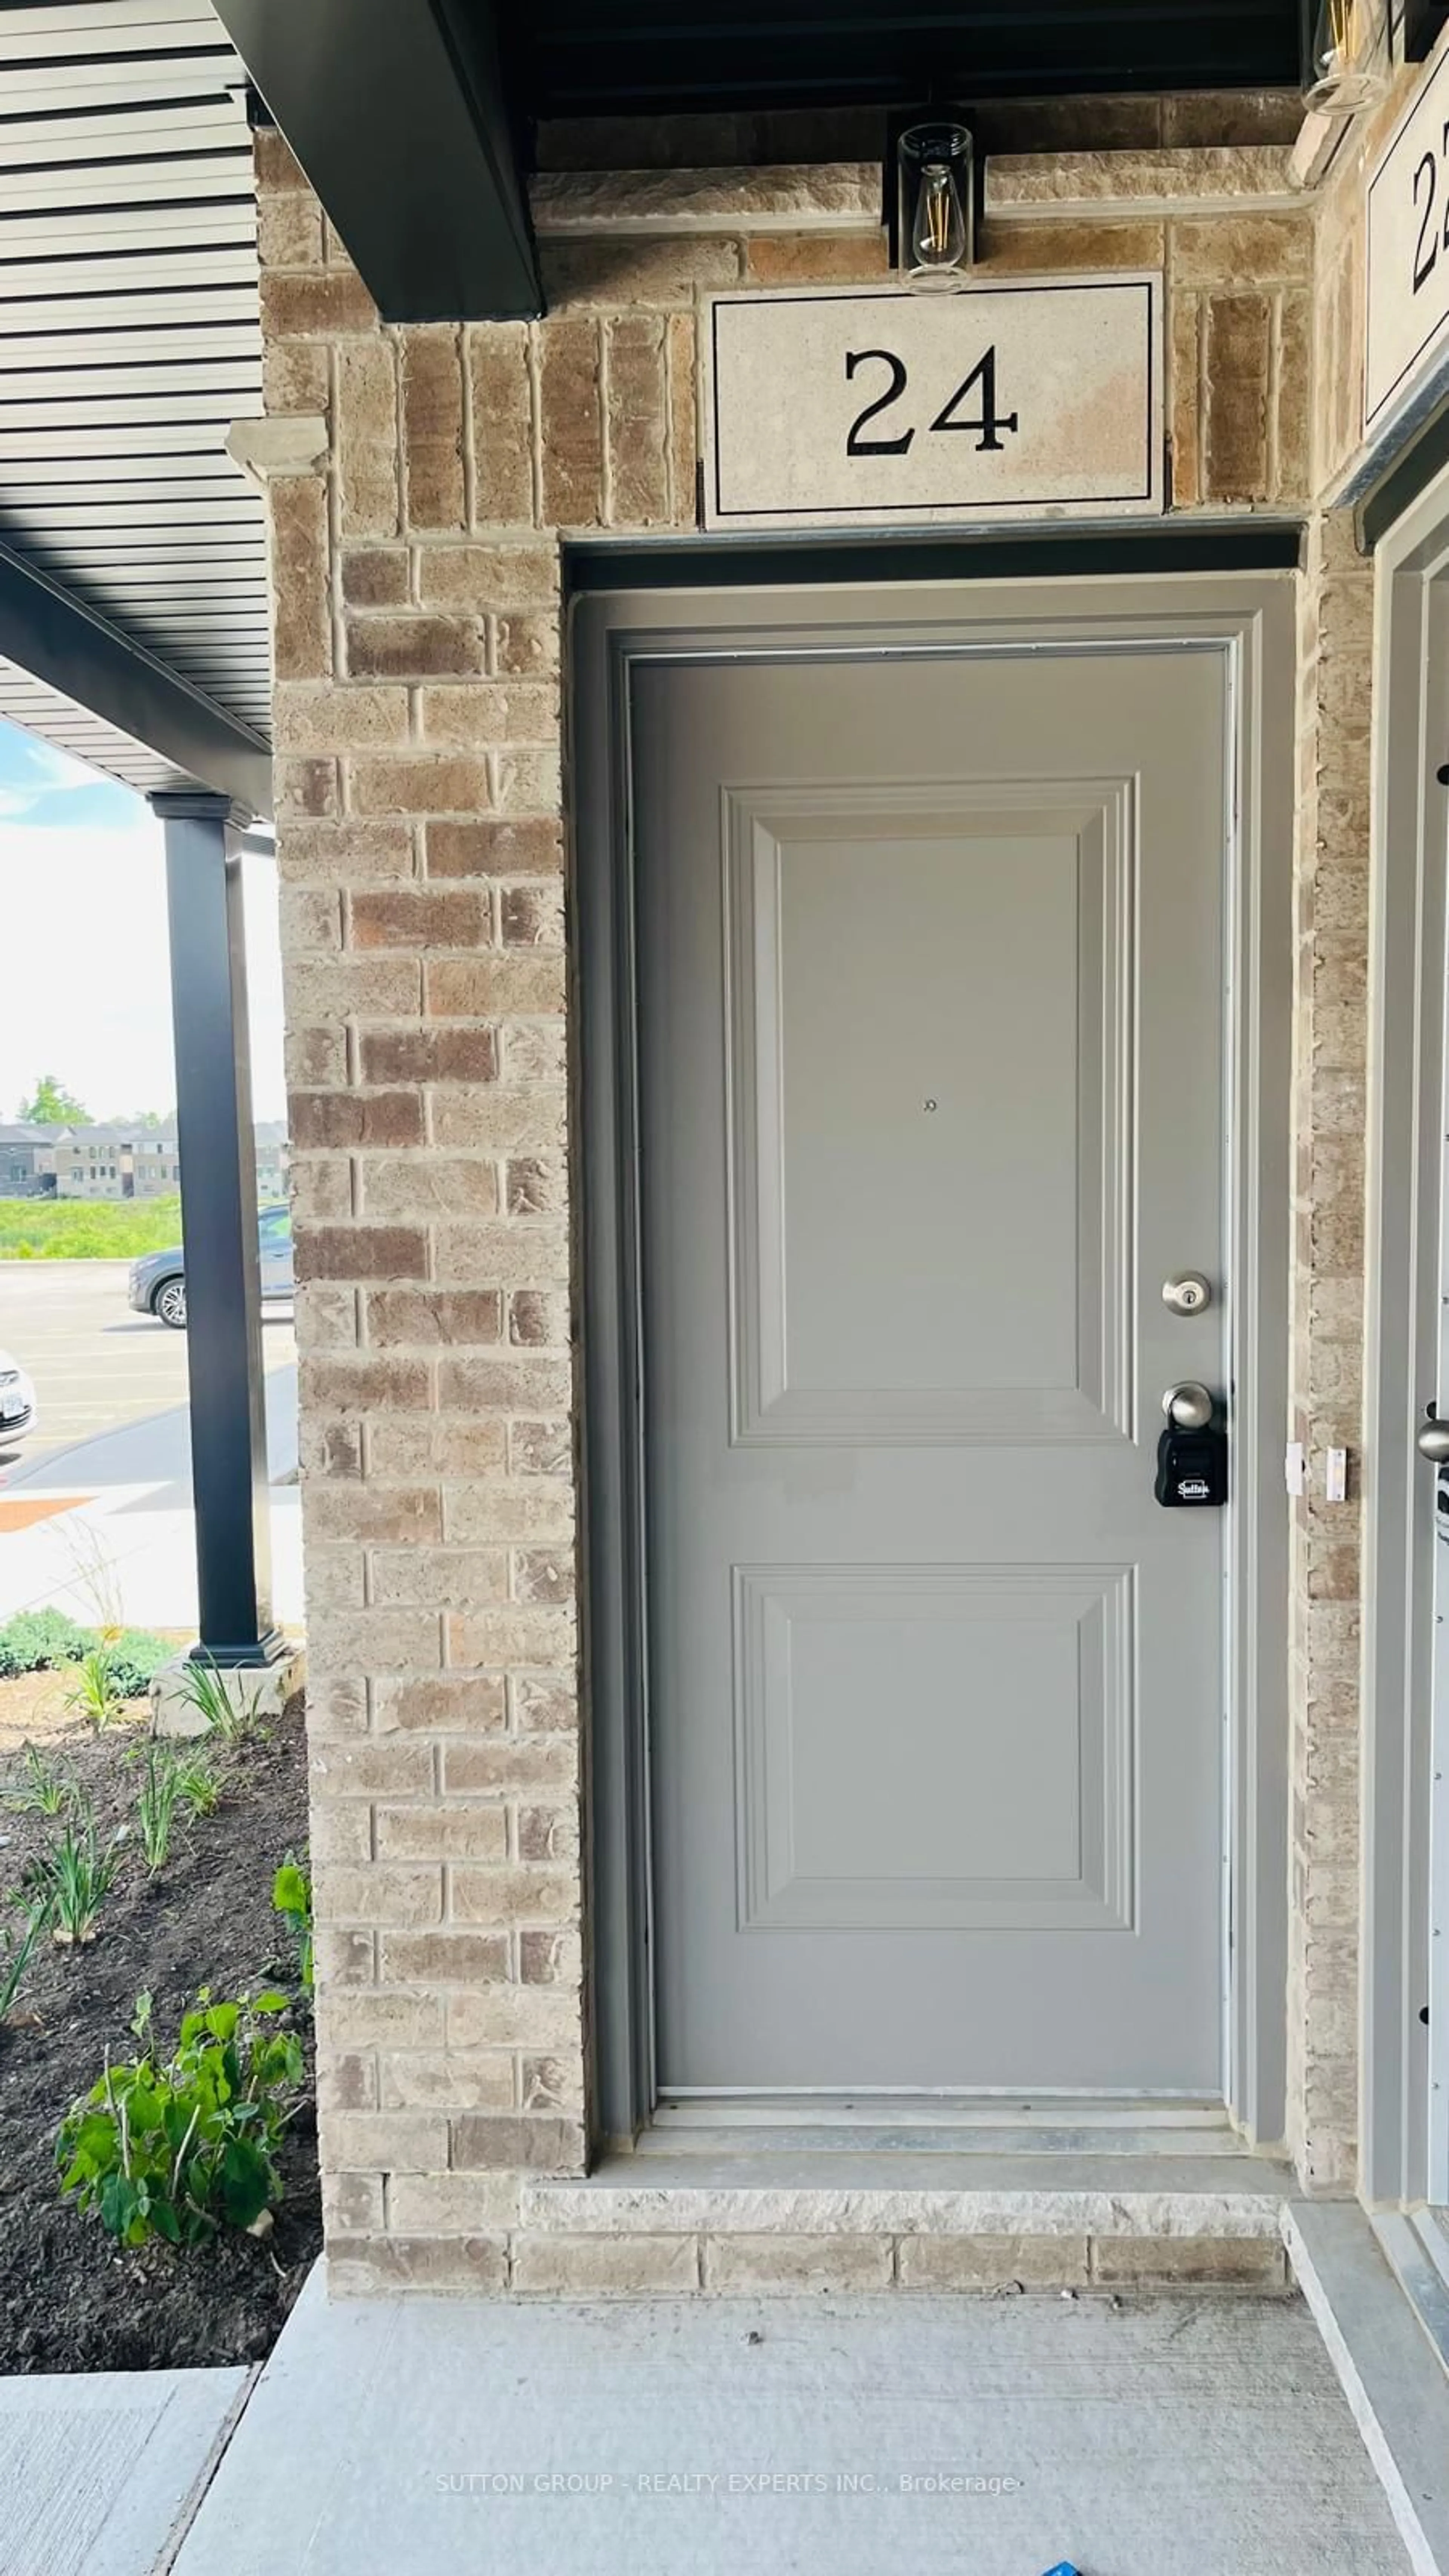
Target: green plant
column 156, row 1802
column 17, row 1949
column 198, row 1783
column 292, row 1898
column 93, row 1693
column 229, row 1711
column 178, row 2148
column 73, row 1878
column 37, row 1641
column 46, row 1788
column 136, row 1659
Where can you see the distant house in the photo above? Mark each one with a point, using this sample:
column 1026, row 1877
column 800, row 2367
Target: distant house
column 27, row 1159
column 116, row 1162
column 272, row 1161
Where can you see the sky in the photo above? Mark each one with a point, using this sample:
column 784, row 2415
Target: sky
column 85, row 987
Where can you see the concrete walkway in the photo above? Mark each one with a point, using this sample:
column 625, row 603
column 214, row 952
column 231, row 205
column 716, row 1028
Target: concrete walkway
column 99, row 2470
column 1170, row 2437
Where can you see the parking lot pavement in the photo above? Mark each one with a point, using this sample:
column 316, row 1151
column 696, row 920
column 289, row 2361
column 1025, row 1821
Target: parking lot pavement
column 97, row 1366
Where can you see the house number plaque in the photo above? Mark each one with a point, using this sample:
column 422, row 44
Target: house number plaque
column 879, row 407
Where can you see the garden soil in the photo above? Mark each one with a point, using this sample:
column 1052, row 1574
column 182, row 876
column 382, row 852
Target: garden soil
column 69, row 2298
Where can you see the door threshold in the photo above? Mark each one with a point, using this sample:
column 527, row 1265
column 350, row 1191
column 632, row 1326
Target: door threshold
column 740, row 2126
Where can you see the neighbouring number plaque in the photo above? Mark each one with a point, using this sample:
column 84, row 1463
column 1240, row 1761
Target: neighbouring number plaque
column 878, row 407
column 1408, row 256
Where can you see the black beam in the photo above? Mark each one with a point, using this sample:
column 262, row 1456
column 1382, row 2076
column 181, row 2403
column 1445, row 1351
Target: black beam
column 396, row 111
column 219, row 1226
column 1424, row 23
column 57, row 639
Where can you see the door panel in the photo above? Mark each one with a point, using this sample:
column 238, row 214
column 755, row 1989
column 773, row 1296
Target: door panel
column 931, row 1003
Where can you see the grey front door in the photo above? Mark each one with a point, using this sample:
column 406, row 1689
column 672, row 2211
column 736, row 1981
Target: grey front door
column 931, row 991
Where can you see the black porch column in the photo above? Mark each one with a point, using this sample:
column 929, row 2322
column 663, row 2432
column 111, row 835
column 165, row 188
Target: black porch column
column 219, row 1219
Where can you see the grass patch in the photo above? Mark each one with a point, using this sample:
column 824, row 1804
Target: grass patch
column 87, row 1229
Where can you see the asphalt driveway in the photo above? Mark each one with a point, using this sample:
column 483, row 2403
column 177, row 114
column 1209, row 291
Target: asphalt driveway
column 97, row 1367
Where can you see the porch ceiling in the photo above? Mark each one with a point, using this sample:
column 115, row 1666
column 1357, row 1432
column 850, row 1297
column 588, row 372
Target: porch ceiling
column 130, row 340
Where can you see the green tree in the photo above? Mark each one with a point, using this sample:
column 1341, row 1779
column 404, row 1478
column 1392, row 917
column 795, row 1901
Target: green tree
column 54, row 1106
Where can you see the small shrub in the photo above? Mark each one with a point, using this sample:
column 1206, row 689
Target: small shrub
column 17, row 1949
column 39, row 1641
column 136, row 1659
column 93, row 1693
column 46, row 1788
column 73, row 1879
column 181, row 2148
column 156, row 1802
column 292, row 1898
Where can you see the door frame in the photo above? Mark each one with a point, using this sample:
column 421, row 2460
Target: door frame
column 1249, row 618
column 1404, row 2119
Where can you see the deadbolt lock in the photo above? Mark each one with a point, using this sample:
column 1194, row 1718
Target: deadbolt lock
column 1187, row 1293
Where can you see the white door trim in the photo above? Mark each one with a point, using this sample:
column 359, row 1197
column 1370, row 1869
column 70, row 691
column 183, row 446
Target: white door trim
column 1250, row 618
column 1404, row 2122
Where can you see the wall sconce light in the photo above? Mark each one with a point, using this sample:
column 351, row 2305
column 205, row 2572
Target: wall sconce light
column 936, row 203
column 1352, row 59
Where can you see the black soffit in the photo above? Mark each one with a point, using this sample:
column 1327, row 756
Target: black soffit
column 627, row 57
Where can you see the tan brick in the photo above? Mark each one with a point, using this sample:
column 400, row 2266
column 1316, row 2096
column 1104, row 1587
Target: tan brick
column 433, row 1315
column 362, row 1769
column 352, row 2204
column 1014, row 249
column 346, row 2083
column 346, row 988
column 298, row 306
column 1242, row 250
column 485, row 987
column 304, row 786
column 528, row 848
column 481, row 577
column 428, row 1055
column 448, row 1958
column 367, row 2267
column 514, row 1256
column 427, row 783
column 441, row 1703
column 637, row 421
column 443, row 1833
column 523, row 711
column 1153, row 2262
column 414, row 647
column 547, row 1898
column 344, row 853
column 602, row 2267
column 805, row 259
column 367, row 440
column 382, row 1641
column 497, row 1120
column 310, row 920
column 539, row 1319
column 423, row 916
column 342, row 1119
column 375, row 576
column 532, row 916
column 550, row 1958
column 445, row 1448
column 276, row 165
column 624, row 273
column 499, row 1514
column 381, row 2019
column 524, row 646
column 452, row 2204
column 508, row 1767
column 529, row 781
column 302, row 625
column 786, row 2266
column 296, row 378
column 378, row 2140
column 992, row 2262
column 427, row 1186
column 502, row 423
column 343, row 1956
column 289, row 230
column 539, row 2145
column 432, row 424
column 1238, row 362
column 506, row 2016
column 461, row 1579
column 361, row 1252
column 573, row 441
column 389, row 1899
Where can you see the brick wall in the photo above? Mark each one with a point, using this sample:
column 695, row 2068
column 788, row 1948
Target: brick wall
column 421, row 852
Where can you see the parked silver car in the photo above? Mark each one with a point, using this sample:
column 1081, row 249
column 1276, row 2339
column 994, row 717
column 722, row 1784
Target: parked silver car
column 158, row 1279
column 17, row 1403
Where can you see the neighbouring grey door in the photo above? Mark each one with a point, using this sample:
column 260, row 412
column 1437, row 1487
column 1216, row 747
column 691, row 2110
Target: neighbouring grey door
column 931, row 993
